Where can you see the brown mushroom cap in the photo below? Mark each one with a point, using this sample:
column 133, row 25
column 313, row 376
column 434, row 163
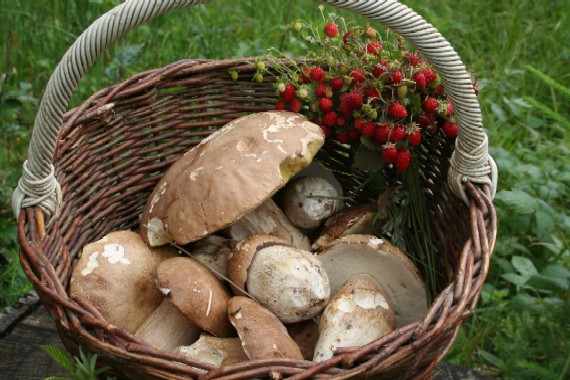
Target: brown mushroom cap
column 197, row 293
column 117, row 275
column 229, row 174
column 400, row 279
column 262, row 335
column 359, row 313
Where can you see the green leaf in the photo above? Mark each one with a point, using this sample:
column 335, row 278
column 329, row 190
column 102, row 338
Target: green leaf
column 518, row 201
column 59, row 355
column 524, row 266
column 515, row 279
column 366, row 159
column 547, row 284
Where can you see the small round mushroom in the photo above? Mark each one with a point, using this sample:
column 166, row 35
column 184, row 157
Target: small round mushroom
column 262, row 335
column 117, row 276
column 228, row 174
column 197, row 293
column 220, row 352
column 359, row 313
column 289, row 282
column 307, row 201
column 394, row 271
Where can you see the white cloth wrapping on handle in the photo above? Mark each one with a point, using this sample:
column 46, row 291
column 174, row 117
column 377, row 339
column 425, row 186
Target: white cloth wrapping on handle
column 38, row 185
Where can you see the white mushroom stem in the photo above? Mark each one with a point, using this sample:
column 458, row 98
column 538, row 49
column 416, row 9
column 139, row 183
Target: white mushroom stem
column 166, row 328
column 268, row 218
column 217, row 351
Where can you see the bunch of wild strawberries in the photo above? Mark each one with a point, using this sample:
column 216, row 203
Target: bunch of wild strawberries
column 363, row 89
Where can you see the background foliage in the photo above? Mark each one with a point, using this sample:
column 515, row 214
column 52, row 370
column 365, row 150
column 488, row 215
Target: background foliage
column 520, row 54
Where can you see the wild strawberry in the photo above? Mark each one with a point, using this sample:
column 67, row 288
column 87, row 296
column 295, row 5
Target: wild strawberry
column 403, row 159
column 354, row 100
column 389, row 153
column 430, row 75
column 383, row 133
column 450, row 129
column 280, row 106
column 397, row 111
column 448, row 108
column 438, row 91
column 395, row 77
column 340, row 121
column 420, row 80
column 413, row 59
column 345, row 107
column 317, row 74
column 378, row 70
column 347, row 37
column 369, row 129
column 398, row 133
column 374, row 47
column 370, row 32
column 331, row 29
column 414, row 137
column 425, row 120
column 430, row 105
column 343, row 137
column 372, row 93
column 329, row 119
column 325, row 104
column 305, row 76
column 327, row 131
column 288, row 93
column 295, row 105
column 359, row 124
column 357, row 75
column 320, row 91
column 354, row 134
column 402, row 91
column 337, row 83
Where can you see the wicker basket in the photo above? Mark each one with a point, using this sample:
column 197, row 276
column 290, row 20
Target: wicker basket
column 90, row 171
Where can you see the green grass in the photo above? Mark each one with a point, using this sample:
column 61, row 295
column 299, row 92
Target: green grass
column 521, row 329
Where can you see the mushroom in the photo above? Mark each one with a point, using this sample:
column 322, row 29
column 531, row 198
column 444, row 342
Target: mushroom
column 261, row 333
column 213, row 251
column 307, row 201
column 305, row 334
column 268, row 218
column 358, row 219
column 359, row 313
column 117, row 274
column 228, row 174
column 220, row 352
column 197, row 293
column 394, row 271
column 289, row 282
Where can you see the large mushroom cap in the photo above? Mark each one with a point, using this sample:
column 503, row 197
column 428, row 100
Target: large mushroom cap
column 229, row 174
column 117, row 275
column 355, row 254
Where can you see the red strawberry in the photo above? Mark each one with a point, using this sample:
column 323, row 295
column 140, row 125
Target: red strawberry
column 389, row 153
column 372, row 92
column 378, row 70
column 413, row 58
column 369, row 129
column 395, row 77
column 354, row 100
column 326, row 130
column 320, row 91
column 430, row 105
column 449, row 108
column 343, row 137
column 398, row 133
column 414, row 138
column 295, row 105
column 438, row 91
column 337, row 83
column 347, row 36
column 450, row 129
column 305, row 76
column 317, row 74
column 345, row 107
column 289, row 93
column 354, row 134
column 359, row 124
column 374, row 47
column 325, row 104
column 340, row 121
column 420, row 80
column 425, row 120
column 280, row 106
column 397, row 111
column 403, row 159
column 383, row 133
column 357, row 75
column 329, row 119
column 430, row 75
column 331, row 30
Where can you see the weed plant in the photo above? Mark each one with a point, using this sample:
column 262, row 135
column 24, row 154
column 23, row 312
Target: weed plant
column 520, row 54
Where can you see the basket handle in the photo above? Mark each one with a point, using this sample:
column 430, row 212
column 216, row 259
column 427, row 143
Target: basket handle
column 38, row 186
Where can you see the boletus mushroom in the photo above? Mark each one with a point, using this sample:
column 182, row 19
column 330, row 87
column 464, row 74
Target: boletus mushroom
column 400, row 279
column 228, row 174
column 220, row 352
